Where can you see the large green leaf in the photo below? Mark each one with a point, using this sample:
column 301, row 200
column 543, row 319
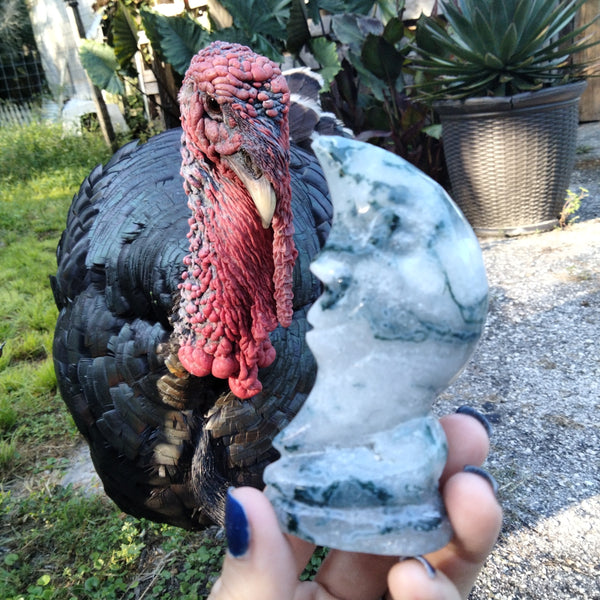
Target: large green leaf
column 181, row 38
column 125, row 32
column 435, row 130
column 390, row 9
column 280, row 9
column 178, row 38
column 376, row 87
column 370, row 25
column 266, row 17
column 382, row 58
column 297, row 27
column 262, row 45
column 150, row 20
column 352, row 29
column 325, row 52
column 313, row 10
column 361, row 7
column 347, row 31
column 101, row 65
column 394, row 30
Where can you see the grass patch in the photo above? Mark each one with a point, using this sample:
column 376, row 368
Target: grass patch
column 63, row 545
column 40, row 170
column 57, row 543
column 33, row 151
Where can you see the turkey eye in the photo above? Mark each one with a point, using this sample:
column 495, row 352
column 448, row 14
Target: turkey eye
column 212, row 106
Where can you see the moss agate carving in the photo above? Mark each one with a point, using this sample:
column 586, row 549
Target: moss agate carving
column 404, row 305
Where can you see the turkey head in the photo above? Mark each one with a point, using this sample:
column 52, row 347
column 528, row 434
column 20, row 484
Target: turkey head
column 237, row 282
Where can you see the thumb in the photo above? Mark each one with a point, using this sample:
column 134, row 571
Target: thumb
column 259, row 564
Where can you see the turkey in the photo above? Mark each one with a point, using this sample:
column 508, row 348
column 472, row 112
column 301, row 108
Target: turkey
column 183, row 284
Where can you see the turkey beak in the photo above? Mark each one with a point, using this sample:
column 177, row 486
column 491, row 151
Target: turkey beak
column 263, row 194
column 259, row 187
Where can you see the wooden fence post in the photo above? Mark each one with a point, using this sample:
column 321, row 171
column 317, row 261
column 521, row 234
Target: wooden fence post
column 102, row 112
column 589, row 106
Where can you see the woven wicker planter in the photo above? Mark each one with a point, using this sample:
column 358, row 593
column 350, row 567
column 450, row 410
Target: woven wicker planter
column 510, row 159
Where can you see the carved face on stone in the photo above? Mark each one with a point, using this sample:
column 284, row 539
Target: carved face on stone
column 406, row 292
column 405, row 302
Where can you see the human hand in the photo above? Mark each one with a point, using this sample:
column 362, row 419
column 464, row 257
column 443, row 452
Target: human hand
column 264, row 564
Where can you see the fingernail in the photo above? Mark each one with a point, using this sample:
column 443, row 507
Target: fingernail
column 426, row 565
column 236, row 526
column 469, row 410
column 482, row 473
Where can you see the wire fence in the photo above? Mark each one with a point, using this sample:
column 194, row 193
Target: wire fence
column 22, row 83
column 21, row 77
column 18, row 114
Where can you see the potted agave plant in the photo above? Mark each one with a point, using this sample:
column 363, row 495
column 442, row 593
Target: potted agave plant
column 500, row 75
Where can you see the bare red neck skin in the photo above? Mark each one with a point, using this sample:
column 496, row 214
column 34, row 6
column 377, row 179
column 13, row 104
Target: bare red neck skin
column 237, row 282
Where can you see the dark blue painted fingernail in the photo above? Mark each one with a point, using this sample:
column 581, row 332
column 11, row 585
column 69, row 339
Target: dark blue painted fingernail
column 483, row 473
column 236, row 526
column 469, row 410
column 426, row 564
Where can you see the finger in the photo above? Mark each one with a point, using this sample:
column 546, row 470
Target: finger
column 259, row 563
column 468, row 443
column 355, row 576
column 365, row 575
column 476, row 518
column 408, row 580
column 302, row 551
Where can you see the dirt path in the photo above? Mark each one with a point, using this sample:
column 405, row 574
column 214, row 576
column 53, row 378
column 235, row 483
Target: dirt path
column 536, row 375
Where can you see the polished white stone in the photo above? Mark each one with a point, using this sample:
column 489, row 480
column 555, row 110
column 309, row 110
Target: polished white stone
column 404, row 305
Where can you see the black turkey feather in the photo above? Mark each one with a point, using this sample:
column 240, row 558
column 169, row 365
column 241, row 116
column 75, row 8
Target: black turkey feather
column 174, row 290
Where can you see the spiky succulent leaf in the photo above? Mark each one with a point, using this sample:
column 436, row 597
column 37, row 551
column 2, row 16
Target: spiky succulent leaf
column 509, row 42
column 492, row 61
column 498, row 47
column 486, row 35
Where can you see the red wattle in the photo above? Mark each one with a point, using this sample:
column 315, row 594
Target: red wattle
column 245, row 388
column 224, row 367
column 195, row 360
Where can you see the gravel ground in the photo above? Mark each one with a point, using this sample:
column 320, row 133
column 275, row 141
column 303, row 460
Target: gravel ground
column 536, row 375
